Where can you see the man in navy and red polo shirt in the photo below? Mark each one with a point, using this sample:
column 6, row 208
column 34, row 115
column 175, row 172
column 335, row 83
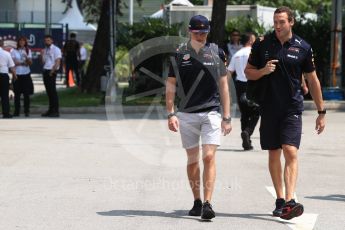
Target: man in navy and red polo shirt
column 198, row 74
column 279, row 61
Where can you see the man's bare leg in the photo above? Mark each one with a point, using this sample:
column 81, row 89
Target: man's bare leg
column 193, row 171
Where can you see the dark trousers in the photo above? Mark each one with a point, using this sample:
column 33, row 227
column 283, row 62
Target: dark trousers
column 249, row 114
column 17, row 103
column 23, row 85
column 72, row 64
column 4, row 90
column 50, row 85
column 82, row 71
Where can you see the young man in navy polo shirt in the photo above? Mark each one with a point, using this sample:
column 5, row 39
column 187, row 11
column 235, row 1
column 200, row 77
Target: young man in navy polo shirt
column 279, row 61
column 197, row 70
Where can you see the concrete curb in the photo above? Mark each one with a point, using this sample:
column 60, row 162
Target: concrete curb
column 308, row 105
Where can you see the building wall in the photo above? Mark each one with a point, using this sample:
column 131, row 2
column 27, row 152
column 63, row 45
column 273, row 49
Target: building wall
column 29, row 11
column 5, row 4
column 7, row 10
column 33, row 11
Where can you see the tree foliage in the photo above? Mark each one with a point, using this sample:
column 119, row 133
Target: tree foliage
column 314, row 6
column 129, row 36
column 318, row 35
column 245, row 24
column 197, row 2
column 91, row 9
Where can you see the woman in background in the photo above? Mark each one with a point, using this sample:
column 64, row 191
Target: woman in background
column 22, row 58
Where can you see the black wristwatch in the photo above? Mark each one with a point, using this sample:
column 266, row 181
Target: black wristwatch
column 170, row 115
column 322, row 111
column 227, row 119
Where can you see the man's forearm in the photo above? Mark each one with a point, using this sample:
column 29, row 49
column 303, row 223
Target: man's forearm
column 170, row 94
column 13, row 71
column 56, row 65
column 224, row 96
column 254, row 74
column 315, row 92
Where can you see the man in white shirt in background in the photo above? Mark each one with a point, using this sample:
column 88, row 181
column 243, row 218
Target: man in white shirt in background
column 249, row 110
column 234, row 44
column 83, row 58
column 6, row 63
column 51, row 59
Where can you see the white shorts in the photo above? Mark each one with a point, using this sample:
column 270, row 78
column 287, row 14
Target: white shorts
column 206, row 125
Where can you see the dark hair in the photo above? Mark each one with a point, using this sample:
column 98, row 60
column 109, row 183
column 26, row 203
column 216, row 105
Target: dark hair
column 1, row 42
column 73, row 35
column 25, row 45
column 246, row 37
column 235, row 30
column 287, row 10
column 48, row 36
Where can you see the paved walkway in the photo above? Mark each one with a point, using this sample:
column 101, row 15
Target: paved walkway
column 82, row 172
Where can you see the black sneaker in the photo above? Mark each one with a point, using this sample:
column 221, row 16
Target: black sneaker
column 207, row 212
column 7, row 116
column 279, row 207
column 291, row 210
column 53, row 114
column 45, row 114
column 196, row 210
column 246, row 143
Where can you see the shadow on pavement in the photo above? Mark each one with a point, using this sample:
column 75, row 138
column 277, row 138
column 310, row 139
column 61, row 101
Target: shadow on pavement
column 237, row 150
column 182, row 214
column 133, row 213
column 333, row 197
column 101, row 117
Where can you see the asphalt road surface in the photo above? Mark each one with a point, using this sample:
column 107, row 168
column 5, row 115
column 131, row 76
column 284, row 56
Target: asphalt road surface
column 94, row 172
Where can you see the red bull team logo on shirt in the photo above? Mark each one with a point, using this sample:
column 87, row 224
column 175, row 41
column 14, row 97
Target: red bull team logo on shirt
column 186, row 57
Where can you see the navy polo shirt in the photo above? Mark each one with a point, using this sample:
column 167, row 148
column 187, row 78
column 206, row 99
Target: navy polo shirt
column 197, row 77
column 283, row 92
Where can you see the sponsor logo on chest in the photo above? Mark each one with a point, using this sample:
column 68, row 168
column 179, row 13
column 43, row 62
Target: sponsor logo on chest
column 293, row 49
column 292, row 56
column 186, row 57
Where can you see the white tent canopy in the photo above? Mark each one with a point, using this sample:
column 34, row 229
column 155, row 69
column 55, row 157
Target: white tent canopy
column 159, row 13
column 181, row 3
column 75, row 20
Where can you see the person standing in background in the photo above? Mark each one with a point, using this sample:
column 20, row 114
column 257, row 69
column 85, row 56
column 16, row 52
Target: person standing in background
column 51, row 59
column 233, row 45
column 22, row 58
column 83, row 59
column 249, row 110
column 6, row 63
column 71, row 54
